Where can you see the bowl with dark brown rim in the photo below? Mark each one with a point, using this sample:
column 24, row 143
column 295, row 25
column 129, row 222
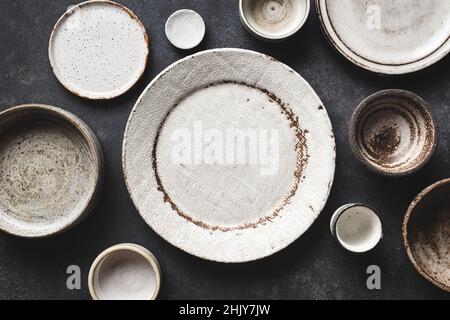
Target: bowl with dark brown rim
column 426, row 234
column 393, row 132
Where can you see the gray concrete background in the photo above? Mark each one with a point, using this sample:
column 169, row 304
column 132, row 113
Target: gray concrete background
column 311, row 268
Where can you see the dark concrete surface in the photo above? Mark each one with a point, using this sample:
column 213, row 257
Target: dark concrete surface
column 311, row 268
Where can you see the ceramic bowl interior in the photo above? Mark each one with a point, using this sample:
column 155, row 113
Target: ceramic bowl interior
column 393, row 132
column 357, row 228
column 50, row 170
column 274, row 19
column 185, row 29
column 426, row 234
column 125, row 272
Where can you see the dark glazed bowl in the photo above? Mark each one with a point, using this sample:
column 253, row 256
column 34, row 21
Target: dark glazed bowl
column 393, row 133
column 426, row 234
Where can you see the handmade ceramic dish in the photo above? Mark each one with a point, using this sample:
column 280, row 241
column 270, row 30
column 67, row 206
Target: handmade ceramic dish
column 125, row 272
column 274, row 20
column 98, row 49
column 229, row 155
column 50, row 170
column 393, row 132
column 185, row 29
column 389, row 37
column 356, row 227
column 426, row 233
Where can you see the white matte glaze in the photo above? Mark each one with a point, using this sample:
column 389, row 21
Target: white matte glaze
column 274, row 20
column 229, row 213
column 98, row 49
column 185, row 29
column 357, row 228
column 125, row 272
column 385, row 36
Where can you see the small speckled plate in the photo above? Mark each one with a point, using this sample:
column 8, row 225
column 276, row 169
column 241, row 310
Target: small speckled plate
column 426, row 233
column 385, row 36
column 98, row 49
column 51, row 168
column 229, row 155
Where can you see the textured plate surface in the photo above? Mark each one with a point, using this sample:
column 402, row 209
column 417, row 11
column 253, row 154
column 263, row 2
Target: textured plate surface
column 98, row 49
column 50, row 170
column 213, row 205
column 390, row 37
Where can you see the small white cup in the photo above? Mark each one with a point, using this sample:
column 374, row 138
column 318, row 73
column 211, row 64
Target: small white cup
column 274, row 20
column 356, row 227
column 125, row 272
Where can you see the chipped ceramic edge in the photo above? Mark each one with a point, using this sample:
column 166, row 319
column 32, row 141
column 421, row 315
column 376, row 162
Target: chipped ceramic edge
column 169, row 37
column 96, row 151
column 267, row 37
column 94, row 97
column 126, row 247
column 359, row 61
column 162, row 74
column 337, row 215
column 421, row 196
column 352, row 136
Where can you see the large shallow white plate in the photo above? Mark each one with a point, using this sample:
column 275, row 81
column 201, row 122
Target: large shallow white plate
column 98, row 49
column 208, row 202
column 385, row 36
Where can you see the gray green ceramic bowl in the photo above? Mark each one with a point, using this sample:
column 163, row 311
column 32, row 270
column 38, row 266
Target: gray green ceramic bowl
column 393, row 132
column 51, row 168
column 426, row 234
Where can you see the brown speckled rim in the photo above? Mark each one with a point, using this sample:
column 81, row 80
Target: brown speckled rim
column 359, row 112
column 96, row 152
column 406, row 221
column 266, row 37
column 132, row 15
column 388, row 69
column 154, row 264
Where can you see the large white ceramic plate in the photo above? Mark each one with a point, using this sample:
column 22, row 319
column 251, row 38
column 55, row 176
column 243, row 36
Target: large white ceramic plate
column 184, row 167
column 385, row 36
column 98, row 49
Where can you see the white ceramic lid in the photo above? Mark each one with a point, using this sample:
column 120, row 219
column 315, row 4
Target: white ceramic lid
column 98, row 49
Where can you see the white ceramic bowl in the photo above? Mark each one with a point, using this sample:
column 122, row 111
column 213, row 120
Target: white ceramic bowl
column 125, row 272
column 274, row 20
column 185, row 29
column 356, row 227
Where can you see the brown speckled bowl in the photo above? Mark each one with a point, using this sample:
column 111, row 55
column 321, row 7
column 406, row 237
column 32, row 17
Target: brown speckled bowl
column 426, row 233
column 393, row 132
column 51, row 168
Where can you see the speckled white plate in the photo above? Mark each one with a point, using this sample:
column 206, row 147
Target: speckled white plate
column 385, row 36
column 216, row 209
column 98, row 49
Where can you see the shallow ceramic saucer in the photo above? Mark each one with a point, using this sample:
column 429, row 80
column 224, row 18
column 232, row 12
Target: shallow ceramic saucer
column 229, row 155
column 274, row 20
column 125, row 272
column 51, row 167
column 98, row 49
column 385, row 36
column 185, row 29
column 426, row 234
column 393, row 132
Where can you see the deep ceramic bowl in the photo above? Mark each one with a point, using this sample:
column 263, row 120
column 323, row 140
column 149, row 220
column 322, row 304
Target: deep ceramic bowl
column 426, row 234
column 51, row 167
column 274, row 20
column 393, row 133
column 125, row 272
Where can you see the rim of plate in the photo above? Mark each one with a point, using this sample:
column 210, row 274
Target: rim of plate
column 388, row 69
column 238, row 257
column 98, row 96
